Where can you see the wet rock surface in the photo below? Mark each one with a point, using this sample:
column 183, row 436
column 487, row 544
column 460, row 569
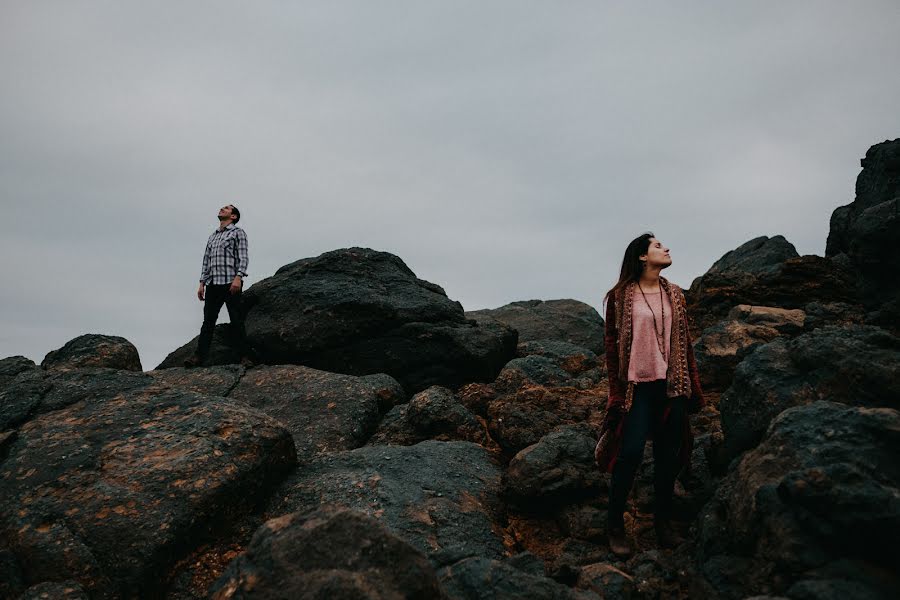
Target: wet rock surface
column 560, row 468
column 325, row 412
column 568, row 321
column 441, row 497
column 358, row 311
column 856, row 365
column 108, row 492
column 94, row 350
column 820, row 488
column 328, row 553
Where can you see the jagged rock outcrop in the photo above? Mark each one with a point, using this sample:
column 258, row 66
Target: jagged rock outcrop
column 746, row 277
column 358, row 311
column 331, row 553
column 568, row 321
column 724, row 345
column 863, row 232
column 12, row 366
column 820, row 491
column 441, row 497
column 110, row 491
column 857, row 365
column 94, row 350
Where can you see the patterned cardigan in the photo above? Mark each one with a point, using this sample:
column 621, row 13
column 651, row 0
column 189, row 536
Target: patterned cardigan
column 682, row 377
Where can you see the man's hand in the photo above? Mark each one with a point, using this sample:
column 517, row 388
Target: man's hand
column 235, row 285
column 201, row 292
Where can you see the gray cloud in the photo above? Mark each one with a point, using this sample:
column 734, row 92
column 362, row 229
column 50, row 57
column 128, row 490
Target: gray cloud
column 506, row 150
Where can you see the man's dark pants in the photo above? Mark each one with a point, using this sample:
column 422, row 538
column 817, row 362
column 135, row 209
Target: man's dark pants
column 645, row 417
column 216, row 296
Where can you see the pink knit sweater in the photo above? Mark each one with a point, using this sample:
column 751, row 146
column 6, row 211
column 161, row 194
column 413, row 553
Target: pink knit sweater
column 646, row 362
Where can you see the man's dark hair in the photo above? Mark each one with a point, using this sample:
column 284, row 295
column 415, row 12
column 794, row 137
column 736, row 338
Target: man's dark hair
column 235, row 212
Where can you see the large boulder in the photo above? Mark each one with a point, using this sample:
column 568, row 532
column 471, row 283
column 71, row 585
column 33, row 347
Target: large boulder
column 331, row 553
column 819, row 491
column 856, row 365
column 791, row 284
column 325, row 412
column 865, row 229
column 35, row 392
column 759, row 255
column 94, row 350
column 110, row 492
column 441, row 497
column 358, row 311
column 558, row 469
column 562, row 320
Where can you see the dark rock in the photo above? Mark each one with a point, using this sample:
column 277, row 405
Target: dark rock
column 792, row 284
column 94, row 350
column 441, row 497
column 822, row 486
column 64, row 590
column 330, row 553
column 436, row 411
column 759, row 255
column 480, row 578
column 572, row 359
column 723, row 346
column 388, row 390
column 558, row 469
column 563, row 320
column 435, row 414
column 325, row 412
column 821, row 314
column 395, row 429
column 111, row 491
column 836, row 589
column 36, row 392
column 865, row 228
column 857, row 365
column 531, row 370
column 360, row 312
column 212, row 381
column 607, row 581
column 527, row 563
column 11, row 366
column 519, row 418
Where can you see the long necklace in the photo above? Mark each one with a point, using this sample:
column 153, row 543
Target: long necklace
column 660, row 335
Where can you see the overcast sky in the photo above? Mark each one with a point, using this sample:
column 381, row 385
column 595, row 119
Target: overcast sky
column 504, row 150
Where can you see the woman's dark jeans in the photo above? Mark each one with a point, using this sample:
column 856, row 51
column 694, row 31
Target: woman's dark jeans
column 645, row 416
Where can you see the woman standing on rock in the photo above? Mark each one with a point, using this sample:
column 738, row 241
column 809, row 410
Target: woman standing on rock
column 653, row 385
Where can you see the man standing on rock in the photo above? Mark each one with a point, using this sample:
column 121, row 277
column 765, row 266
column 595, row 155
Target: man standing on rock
column 221, row 281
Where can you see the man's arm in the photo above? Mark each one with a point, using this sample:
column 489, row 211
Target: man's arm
column 204, row 271
column 242, row 250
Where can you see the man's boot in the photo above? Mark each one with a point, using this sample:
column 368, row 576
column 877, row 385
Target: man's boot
column 618, row 543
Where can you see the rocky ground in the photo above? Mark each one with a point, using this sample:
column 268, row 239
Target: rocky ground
column 391, row 445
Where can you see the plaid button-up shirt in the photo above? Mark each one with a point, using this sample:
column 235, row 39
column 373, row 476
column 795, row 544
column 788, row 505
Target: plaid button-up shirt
column 226, row 255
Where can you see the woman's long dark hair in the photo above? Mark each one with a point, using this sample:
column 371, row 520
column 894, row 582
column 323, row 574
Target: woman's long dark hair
column 631, row 263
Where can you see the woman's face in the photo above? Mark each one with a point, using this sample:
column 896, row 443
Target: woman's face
column 657, row 255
